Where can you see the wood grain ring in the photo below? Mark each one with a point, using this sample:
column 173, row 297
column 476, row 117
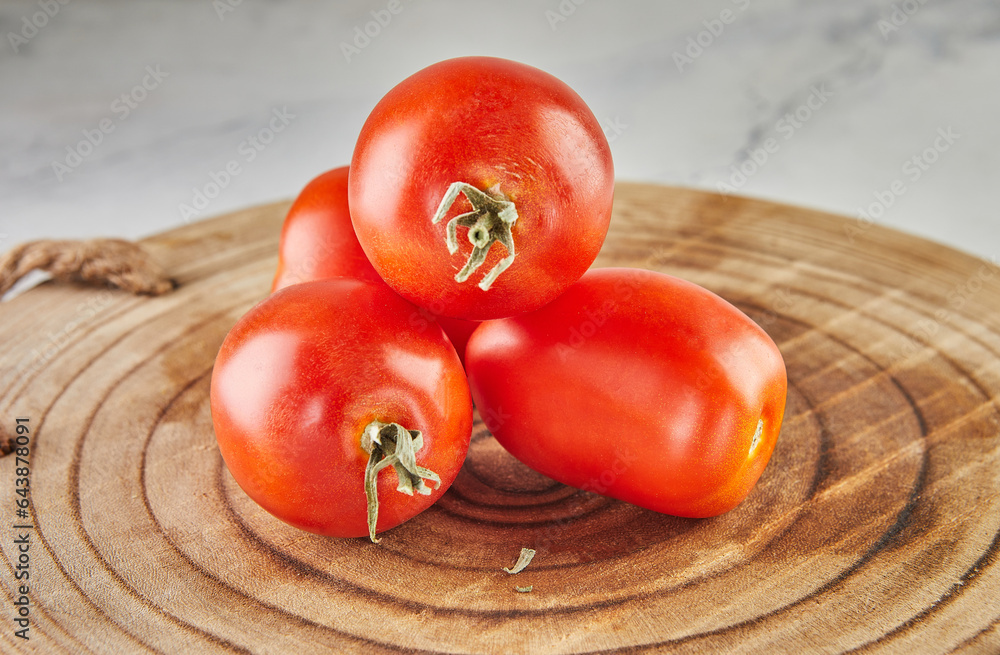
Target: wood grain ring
column 876, row 527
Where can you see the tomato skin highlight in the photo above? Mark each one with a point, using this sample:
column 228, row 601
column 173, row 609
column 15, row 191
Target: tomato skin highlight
column 494, row 124
column 635, row 385
column 299, row 377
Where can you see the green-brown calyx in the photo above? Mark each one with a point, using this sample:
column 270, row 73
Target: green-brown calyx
column 390, row 444
column 490, row 220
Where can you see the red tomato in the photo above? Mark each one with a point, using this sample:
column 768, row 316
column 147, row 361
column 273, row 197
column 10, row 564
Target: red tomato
column 635, row 385
column 481, row 184
column 306, row 374
column 318, row 242
column 317, row 238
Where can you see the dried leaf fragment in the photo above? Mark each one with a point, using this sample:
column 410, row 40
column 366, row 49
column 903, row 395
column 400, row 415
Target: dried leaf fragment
column 522, row 561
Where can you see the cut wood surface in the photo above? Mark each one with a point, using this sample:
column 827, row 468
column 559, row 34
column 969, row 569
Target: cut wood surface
column 875, row 528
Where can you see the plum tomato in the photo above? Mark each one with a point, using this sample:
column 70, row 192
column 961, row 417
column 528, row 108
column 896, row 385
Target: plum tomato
column 318, row 242
column 482, row 184
column 334, row 414
column 317, row 238
column 635, row 385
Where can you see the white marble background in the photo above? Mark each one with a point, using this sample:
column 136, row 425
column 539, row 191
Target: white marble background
column 892, row 75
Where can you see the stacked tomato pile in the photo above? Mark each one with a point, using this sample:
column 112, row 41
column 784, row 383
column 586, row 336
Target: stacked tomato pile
column 478, row 195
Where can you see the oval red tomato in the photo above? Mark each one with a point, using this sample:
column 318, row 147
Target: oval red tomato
column 318, row 242
column 301, row 379
column 635, row 385
column 481, row 184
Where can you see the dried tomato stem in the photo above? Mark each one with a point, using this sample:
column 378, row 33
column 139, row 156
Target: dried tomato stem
column 390, row 444
column 490, row 220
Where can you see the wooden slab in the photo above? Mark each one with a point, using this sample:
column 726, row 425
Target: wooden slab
column 875, row 527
